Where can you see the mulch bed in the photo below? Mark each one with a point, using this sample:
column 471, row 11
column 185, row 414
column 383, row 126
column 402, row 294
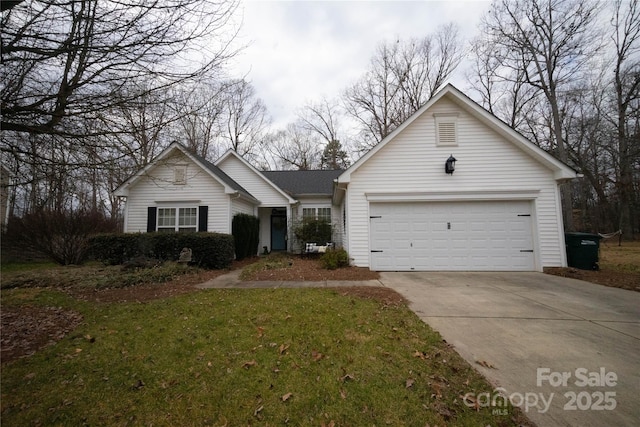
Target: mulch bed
column 308, row 269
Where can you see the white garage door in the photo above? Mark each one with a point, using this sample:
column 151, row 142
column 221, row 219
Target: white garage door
column 473, row 236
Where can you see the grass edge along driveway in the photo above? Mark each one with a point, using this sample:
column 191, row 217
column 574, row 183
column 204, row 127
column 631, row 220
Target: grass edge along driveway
column 238, row 357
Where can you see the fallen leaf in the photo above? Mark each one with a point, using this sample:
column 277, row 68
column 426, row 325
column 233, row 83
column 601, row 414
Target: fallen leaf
column 422, row 355
column 343, row 394
column 286, row 397
column 138, row 385
column 473, row 400
column 283, row 348
column 316, row 355
column 331, row 424
column 258, row 410
column 444, row 412
column 347, row 377
column 249, row 364
column 409, row 382
column 260, row 331
column 485, row 364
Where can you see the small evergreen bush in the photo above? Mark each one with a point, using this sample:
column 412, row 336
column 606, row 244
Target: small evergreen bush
column 334, row 258
column 246, row 231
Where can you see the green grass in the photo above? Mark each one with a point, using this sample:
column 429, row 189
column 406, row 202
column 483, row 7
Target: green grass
column 14, row 267
column 227, row 357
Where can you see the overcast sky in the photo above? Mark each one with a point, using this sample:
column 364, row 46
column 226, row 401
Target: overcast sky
column 299, row 51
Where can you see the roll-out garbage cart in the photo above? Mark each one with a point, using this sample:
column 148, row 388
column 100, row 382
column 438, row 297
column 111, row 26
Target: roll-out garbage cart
column 582, row 250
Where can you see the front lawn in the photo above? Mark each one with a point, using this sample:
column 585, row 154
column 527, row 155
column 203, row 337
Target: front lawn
column 242, row 357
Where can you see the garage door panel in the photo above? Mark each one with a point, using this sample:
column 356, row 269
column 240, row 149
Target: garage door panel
column 452, row 236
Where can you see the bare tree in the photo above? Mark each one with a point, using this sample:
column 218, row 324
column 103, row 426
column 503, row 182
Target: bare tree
column 402, row 76
column 86, row 83
column 200, row 112
column 626, row 82
column 322, row 117
column 295, row 147
column 245, row 116
column 549, row 41
column 63, row 59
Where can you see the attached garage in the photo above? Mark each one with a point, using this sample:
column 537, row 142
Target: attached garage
column 496, row 208
column 464, row 235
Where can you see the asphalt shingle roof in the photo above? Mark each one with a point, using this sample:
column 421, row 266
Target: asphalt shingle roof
column 304, row 182
column 223, row 176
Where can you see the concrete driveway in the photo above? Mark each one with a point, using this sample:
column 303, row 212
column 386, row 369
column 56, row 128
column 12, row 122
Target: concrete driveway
column 566, row 351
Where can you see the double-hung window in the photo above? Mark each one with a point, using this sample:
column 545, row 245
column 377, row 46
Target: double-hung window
column 182, row 220
column 322, row 214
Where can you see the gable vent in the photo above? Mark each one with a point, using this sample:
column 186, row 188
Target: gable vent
column 447, row 134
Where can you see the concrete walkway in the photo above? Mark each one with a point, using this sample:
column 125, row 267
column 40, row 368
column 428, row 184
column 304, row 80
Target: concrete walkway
column 554, row 345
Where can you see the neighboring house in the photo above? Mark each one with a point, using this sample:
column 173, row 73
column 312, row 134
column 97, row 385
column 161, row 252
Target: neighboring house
column 395, row 208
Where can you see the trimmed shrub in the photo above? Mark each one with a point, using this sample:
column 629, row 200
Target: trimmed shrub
column 334, row 258
column 209, row 250
column 246, row 231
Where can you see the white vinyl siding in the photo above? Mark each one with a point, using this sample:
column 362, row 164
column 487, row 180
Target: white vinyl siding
column 157, row 189
column 412, row 163
column 242, row 206
column 253, row 183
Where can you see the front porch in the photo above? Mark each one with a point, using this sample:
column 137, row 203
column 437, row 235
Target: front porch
column 274, row 228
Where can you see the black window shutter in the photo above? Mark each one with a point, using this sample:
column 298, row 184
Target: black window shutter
column 151, row 219
column 203, row 215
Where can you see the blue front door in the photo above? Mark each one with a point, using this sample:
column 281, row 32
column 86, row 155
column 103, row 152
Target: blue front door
column 278, row 232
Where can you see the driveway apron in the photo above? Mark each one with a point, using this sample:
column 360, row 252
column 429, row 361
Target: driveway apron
column 566, row 351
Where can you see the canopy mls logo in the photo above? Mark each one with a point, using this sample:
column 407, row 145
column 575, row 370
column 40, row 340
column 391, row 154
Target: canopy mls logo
column 499, row 401
column 583, row 400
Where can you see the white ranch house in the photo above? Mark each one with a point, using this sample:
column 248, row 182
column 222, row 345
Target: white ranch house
column 395, row 209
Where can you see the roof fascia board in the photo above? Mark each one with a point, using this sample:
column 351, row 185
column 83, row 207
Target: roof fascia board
column 230, row 152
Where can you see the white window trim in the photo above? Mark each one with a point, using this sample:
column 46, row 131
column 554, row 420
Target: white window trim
column 176, row 226
column 316, row 207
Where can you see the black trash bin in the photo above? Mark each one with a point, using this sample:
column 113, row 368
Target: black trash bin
column 582, row 250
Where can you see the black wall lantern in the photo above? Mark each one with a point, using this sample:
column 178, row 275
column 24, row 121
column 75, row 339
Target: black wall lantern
column 450, row 165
